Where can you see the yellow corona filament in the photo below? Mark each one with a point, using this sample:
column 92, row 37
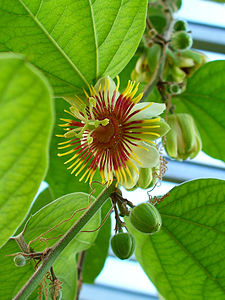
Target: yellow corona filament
column 102, row 176
column 74, row 164
column 84, row 165
column 133, row 166
column 90, row 172
column 124, row 175
column 148, row 141
column 146, row 106
column 68, row 112
column 151, row 126
column 92, row 175
column 63, row 143
column 63, row 125
column 138, row 98
column 125, row 92
column 140, row 146
column 72, row 158
column 129, row 174
column 90, row 89
column 151, row 133
column 118, row 83
column 117, row 176
column 63, row 154
column 106, row 83
column 85, row 173
column 65, row 120
column 94, row 91
column 63, row 147
column 134, row 91
column 132, row 155
column 151, row 120
column 59, row 135
column 121, row 177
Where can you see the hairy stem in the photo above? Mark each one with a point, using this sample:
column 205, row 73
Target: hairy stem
column 55, row 251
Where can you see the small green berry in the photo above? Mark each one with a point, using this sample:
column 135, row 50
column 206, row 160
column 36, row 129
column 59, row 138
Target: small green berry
column 180, row 25
column 146, row 218
column 181, row 40
column 123, row 245
column 20, row 260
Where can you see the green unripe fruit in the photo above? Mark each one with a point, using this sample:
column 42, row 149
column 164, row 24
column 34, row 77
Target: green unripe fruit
column 180, row 25
column 20, row 260
column 146, row 218
column 181, row 40
column 123, row 245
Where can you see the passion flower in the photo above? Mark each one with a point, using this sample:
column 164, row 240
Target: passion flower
column 112, row 132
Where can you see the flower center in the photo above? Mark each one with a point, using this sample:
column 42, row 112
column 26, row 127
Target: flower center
column 108, row 135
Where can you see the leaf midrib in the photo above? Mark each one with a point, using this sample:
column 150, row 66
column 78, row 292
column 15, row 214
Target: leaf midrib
column 192, row 222
column 51, row 39
column 95, row 37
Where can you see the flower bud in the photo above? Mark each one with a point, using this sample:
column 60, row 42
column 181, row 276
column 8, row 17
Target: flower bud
column 148, row 177
column 181, row 40
column 55, row 295
column 180, row 25
column 183, row 140
column 20, row 260
column 141, row 71
column 146, row 218
column 123, row 245
column 175, row 89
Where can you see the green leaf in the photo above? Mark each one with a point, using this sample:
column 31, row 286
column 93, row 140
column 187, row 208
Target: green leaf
column 57, row 211
column 58, row 177
column 42, row 199
column 13, row 278
column 186, row 259
column 25, row 122
column 204, row 99
column 73, row 42
column 96, row 255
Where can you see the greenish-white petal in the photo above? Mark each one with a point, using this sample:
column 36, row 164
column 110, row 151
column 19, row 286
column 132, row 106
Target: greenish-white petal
column 131, row 183
column 107, row 83
column 153, row 110
column 148, row 155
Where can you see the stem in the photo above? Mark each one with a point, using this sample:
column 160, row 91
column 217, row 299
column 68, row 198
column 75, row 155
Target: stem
column 55, row 251
column 164, row 45
column 79, row 273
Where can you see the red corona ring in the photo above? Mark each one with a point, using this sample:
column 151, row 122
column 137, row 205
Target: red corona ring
column 113, row 132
